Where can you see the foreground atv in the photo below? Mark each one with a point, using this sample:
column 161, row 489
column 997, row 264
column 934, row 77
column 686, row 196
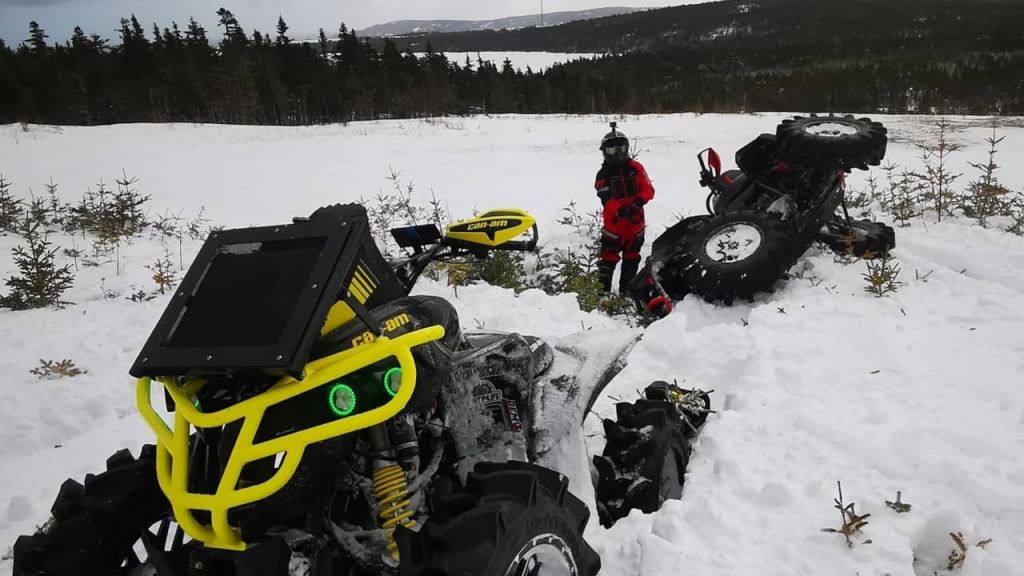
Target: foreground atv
column 318, row 420
column 763, row 217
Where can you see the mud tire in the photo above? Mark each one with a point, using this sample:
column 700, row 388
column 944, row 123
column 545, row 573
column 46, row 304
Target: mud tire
column 831, row 142
column 490, row 526
column 96, row 524
column 644, row 459
column 723, row 276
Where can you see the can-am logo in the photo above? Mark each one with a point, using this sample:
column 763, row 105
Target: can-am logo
column 390, row 325
column 487, row 224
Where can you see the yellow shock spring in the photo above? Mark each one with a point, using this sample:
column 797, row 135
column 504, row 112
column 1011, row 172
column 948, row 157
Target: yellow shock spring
column 391, row 492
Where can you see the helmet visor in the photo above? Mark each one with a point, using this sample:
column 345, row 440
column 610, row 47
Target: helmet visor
column 616, row 149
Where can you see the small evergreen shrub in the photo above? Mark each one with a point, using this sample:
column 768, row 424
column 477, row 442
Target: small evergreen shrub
column 110, row 216
column 51, row 369
column 39, row 282
column 11, row 208
column 986, row 197
column 937, row 177
column 882, row 276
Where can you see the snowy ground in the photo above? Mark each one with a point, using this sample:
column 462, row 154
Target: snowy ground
column 536, row 61
column 817, row 383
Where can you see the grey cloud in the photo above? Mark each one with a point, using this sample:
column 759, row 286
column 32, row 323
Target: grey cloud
column 31, row 3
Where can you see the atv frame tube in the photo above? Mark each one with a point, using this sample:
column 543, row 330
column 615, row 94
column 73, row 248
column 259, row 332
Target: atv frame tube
column 173, row 445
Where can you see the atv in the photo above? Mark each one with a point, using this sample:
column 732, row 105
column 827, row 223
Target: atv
column 319, row 420
column 762, row 217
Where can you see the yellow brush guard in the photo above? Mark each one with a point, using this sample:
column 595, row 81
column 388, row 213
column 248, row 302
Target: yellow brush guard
column 172, row 446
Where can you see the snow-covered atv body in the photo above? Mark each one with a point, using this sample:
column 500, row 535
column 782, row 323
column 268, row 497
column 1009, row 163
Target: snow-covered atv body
column 321, row 421
column 763, row 217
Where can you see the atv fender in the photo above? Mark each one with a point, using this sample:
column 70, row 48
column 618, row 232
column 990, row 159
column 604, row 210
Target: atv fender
column 583, row 366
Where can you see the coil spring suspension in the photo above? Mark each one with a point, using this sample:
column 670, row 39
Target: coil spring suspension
column 390, row 489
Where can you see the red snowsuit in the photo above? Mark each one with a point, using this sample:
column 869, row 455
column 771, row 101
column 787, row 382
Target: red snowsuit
column 623, row 190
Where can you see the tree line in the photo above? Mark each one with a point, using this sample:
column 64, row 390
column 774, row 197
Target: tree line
column 724, row 57
column 176, row 74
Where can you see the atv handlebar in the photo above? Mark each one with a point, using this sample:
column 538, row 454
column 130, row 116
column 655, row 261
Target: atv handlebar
column 443, row 249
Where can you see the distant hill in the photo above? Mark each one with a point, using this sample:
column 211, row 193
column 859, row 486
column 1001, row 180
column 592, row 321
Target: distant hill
column 929, row 56
column 404, row 27
column 961, row 56
column 762, row 28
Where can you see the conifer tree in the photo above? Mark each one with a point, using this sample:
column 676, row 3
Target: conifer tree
column 282, row 29
column 39, row 282
column 37, row 38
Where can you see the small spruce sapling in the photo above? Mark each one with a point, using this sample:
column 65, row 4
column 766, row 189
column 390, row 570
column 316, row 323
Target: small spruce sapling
column 958, row 555
column 853, row 523
column 40, row 282
column 886, row 201
column 57, row 209
column 57, row 369
column 1017, row 215
column 985, row 196
column 163, row 274
column 899, row 505
column 37, row 212
column 906, row 197
column 882, row 275
column 503, row 268
column 937, row 176
column 11, row 208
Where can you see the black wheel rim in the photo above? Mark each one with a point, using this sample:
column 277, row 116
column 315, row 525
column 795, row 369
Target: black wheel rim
column 161, row 542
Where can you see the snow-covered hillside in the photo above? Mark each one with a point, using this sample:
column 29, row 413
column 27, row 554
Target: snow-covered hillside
column 918, row 392
column 535, row 61
column 401, row 27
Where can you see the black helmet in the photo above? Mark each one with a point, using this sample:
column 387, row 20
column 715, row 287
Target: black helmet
column 615, row 146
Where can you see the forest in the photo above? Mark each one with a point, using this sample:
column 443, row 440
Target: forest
column 915, row 56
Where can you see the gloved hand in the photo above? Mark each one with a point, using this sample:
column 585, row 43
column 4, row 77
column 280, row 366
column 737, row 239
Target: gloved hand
column 625, row 211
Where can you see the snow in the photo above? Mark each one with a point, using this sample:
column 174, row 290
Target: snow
column 918, row 392
column 536, row 61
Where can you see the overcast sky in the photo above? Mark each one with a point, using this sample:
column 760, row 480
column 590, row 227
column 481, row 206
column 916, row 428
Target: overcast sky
column 305, row 17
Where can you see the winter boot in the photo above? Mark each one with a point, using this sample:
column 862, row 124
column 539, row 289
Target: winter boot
column 629, row 270
column 605, row 269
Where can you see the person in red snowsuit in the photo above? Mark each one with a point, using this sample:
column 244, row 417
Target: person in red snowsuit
column 623, row 187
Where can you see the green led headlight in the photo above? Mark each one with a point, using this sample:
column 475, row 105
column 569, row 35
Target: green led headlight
column 342, row 400
column 393, row 380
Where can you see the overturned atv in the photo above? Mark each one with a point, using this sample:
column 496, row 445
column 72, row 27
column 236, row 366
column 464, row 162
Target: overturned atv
column 318, row 420
column 761, row 218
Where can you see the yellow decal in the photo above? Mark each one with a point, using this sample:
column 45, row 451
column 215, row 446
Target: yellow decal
column 491, row 224
column 492, row 228
column 390, row 325
column 363, row 283
column 396, row 322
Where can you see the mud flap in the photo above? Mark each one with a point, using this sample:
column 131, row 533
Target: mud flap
column 583, row 366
